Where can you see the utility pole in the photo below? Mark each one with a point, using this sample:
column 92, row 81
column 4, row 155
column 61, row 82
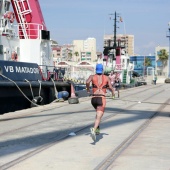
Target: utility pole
column 144, row 67
column 168, row 35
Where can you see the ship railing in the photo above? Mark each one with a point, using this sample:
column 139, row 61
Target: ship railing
column 33, row 30
column 48, row 72
column 79, row 75
column 120, row 67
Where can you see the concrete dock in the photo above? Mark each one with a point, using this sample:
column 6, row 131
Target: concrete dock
column 134, row 134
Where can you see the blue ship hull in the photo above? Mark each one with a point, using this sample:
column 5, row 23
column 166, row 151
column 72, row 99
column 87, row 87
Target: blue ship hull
column 18, row 79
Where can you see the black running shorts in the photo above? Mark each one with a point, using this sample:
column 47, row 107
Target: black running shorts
column 98, row 103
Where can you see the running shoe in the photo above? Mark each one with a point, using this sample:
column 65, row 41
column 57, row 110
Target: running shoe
column 93, row 134
column 97, row 131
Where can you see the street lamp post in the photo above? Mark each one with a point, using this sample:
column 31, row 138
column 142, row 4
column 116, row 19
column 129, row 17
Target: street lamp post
column 144, row 67
column 169, row 51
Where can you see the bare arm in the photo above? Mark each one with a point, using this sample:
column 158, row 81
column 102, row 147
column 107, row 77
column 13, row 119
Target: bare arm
column 88, row 83
column 110, row 86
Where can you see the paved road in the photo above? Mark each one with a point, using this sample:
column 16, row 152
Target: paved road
column 134, row 134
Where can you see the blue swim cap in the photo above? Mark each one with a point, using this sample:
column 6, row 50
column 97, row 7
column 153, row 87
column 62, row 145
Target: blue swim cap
column 99, row 68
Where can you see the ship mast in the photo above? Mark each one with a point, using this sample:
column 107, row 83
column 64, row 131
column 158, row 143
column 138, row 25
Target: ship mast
column 114, row 45
column 110, row 45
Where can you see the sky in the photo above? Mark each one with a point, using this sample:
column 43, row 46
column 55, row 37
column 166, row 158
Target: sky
column 72, row 20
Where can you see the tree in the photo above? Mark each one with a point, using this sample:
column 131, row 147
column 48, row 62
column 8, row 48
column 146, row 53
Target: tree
column 147, row 62
column 76, row 54
column 69, row 56
column 54, row 42
column 163, row 56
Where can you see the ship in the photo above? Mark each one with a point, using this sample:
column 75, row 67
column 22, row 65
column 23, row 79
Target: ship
column 28, row 77
column 116, row 57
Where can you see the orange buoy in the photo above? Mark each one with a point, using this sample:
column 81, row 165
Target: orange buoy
column 10, row 15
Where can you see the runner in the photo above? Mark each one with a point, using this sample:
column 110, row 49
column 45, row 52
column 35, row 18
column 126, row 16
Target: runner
column 100, row 83
column 112, row 77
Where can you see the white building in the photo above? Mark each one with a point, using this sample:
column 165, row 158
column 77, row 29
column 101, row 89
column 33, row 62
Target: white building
column 161, row 70
column 86, row 49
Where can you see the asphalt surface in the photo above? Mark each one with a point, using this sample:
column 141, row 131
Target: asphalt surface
column 134, row 134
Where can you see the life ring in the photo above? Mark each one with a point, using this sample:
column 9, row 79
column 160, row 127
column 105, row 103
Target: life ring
column 14, row 56
column 10, row 16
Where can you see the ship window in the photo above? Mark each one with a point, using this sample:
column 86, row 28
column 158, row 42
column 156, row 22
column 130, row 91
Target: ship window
column 1, row 49
column 7, row 4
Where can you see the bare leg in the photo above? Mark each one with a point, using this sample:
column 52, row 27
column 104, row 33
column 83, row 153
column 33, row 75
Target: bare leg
column 99, row 115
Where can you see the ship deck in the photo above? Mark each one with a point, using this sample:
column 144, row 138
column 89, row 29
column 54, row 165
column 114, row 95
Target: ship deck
column 134, row 134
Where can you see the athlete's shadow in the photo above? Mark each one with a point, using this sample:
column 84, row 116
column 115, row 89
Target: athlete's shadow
column 99, row 137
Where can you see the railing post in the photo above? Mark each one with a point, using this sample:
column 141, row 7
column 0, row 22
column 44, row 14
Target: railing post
column 169, row 51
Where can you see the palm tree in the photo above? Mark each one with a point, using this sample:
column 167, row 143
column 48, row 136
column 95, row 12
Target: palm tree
column 76, row 54
column 163, row 56
column 69, row 56
column 147, row 62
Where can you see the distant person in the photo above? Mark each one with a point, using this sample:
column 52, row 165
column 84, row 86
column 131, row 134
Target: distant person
column 112, row 77
column 117, row 84
column 155, row 79
column 100, row 83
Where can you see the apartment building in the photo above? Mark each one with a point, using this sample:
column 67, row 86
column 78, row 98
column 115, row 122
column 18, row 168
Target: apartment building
column 79, row 50
column 62, row 53
column 56, row 51
column 67, row 52
column 127, row 41
column 85, row 49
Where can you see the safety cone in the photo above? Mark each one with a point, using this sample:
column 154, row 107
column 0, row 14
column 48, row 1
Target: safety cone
column 73, row 99
column 72, row 91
